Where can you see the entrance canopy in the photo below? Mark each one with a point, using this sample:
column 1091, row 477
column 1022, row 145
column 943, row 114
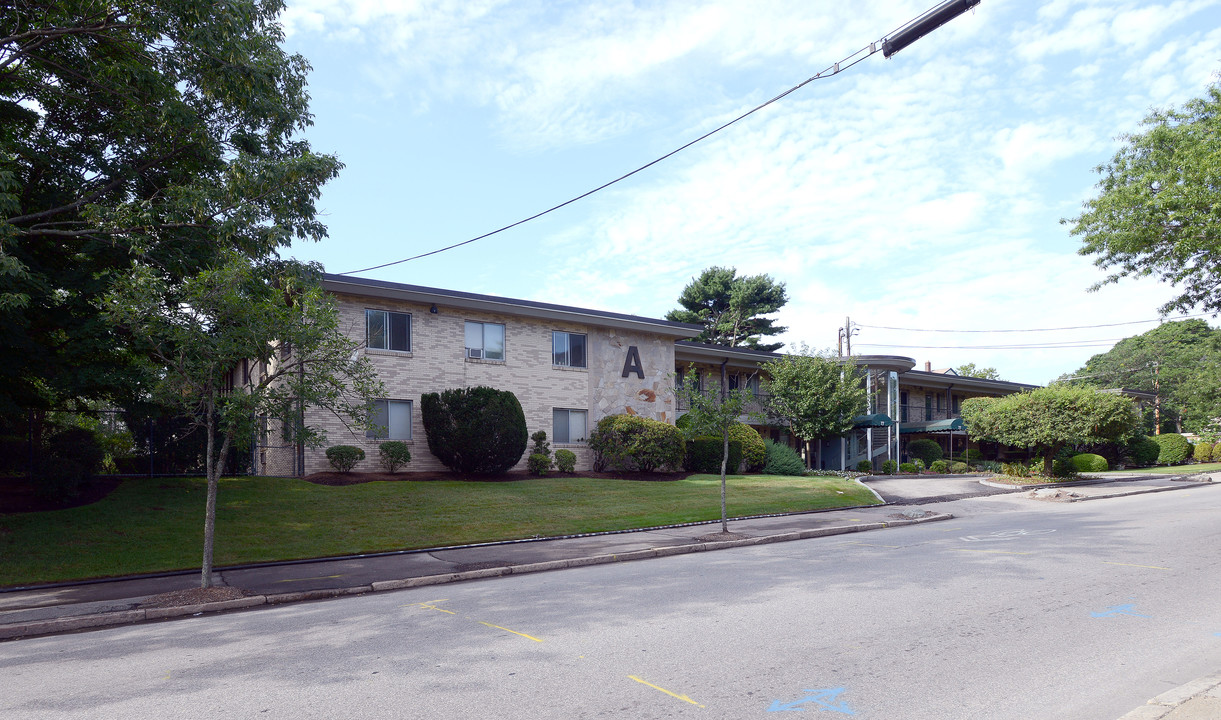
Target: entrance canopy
column 874, row 420
column 933, row 426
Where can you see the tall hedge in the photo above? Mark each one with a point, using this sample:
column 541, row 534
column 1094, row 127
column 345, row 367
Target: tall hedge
column 1203, row 452
column 479, row 430
column 704, row 455
column 754, row 453
column 927, row 450
column 1174, row 448
column 631, row 442
column 1143, row 451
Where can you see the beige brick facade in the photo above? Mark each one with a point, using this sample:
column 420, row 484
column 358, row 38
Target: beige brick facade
column 437, row 361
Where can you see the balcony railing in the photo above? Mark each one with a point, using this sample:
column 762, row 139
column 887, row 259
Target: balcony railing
column 921, row 413
column 758, row 404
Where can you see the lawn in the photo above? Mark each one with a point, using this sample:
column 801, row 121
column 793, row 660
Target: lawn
column 155, row 525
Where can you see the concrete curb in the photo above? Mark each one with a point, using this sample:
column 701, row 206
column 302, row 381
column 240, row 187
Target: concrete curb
column 1079, row 483
column 14, row 631
column 1197, row 699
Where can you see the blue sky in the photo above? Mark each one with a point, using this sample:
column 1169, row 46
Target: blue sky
column 923, row 191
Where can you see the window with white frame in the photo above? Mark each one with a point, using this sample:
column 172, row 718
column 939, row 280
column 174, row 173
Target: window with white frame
column 391, row 420
column 485, row 341
column 568, row 349
column 387, row 330
column 568, row 426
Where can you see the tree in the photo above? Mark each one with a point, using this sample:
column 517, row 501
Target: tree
column 1156, row 210
column 274, row 314
column 1180, row 361
column 1051, row 418
column 969, row 370
column 731, row 308
column 816, row 394
column 478, row 430
column 714, row 411
column 139, row 134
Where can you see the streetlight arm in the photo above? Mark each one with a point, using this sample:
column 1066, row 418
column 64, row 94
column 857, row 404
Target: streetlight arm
column 932, row 20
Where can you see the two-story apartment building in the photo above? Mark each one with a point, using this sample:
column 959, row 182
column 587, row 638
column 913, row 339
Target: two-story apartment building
column 570, row 367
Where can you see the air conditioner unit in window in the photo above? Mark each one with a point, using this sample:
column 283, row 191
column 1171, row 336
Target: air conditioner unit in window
column 476, row 353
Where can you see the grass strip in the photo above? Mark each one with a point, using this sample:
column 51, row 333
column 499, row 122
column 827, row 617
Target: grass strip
column 152, row 525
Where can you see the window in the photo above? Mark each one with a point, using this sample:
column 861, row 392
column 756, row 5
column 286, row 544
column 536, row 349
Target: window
column 388, row 330
column 485, row 341
column 568, row 349
column 391, row 420
column 568, row 426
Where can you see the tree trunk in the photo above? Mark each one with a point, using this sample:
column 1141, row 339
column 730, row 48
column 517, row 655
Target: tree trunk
column 724, row 463
column 1049, row 459
column 213, row 468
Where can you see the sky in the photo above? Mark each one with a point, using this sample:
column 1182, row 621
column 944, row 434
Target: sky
column 913, row 194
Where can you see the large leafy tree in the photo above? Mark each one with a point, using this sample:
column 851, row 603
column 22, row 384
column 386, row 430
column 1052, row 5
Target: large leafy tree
column 153, row 134
column 970, row 370
column 1180, row 361
column 732, row 308
column 1158, row 209
column 243, row 349
column 816, row 394
column 1051, row 418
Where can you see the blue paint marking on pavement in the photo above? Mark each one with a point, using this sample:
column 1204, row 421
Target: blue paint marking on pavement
column 1129, row 609
column 822, row 698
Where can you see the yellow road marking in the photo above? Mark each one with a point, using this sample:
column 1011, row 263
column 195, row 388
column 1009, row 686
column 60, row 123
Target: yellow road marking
column 510, row 631
column 1151, row 567
column 995, row 552
column 854, row 520
column 321, row 577
column 684, row 698
column 430, row 606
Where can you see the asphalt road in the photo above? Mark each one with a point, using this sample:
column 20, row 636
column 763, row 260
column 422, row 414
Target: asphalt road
column 1017, row 609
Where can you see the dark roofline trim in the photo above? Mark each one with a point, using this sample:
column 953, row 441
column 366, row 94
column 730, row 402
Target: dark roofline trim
column 457, row 298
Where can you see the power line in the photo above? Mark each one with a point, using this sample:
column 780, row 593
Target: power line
column 1073, row 327
column 1034, row 346
column 835, row 69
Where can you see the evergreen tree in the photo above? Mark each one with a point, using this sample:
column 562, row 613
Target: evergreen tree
column 731, row 308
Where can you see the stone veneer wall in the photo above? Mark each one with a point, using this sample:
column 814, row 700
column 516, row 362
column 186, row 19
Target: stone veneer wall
column 437, row 362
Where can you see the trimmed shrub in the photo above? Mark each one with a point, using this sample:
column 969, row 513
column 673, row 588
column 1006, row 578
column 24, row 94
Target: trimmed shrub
column 1059, row 468
column 630, row 442
column 926, row 450
column 72, row 457
column 907, row 467
column 394, row 455
column 478, row 430
column 919, row 464
column 1143, row 451
column 864, row 466
column 1089, row 462
column 939, row 466
column 1174, row 448
column 565, row 461
column 959, row 467
column 344, row 457
column 704, row 455
column 1203, row 452
column 782, row 460
column 754, row 454
column 889, row 467
column 539, row 461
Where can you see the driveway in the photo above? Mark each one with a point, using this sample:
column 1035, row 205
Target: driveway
column 921, row 490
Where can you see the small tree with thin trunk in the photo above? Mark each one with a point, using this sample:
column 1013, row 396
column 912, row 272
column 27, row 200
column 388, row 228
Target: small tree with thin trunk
column 713, row 411
column 241, row 344
column 817, row 395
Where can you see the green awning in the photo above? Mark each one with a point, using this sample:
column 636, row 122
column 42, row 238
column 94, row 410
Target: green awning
column 933, row 426
column 874, row 420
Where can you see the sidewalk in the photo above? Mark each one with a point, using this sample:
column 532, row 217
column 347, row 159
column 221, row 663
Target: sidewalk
column 1197, row 700
column 71, row 607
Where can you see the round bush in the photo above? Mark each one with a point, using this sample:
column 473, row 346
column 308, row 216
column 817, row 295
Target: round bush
column 754, row 454
column 704, row 455
column 538, row 464
column 889, row 467
column 926, row 450
column 1174, row 448
column 939, row 466
column 394, row 455
column 1143, row 451
column 907, row 467
column 478, row 430
column 959, row 467
column 1203, row 452
column 631, row 442
column 344, row 457
column 565, row 461
column 1088, row 462
column 864, row 466
column 782, row 460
